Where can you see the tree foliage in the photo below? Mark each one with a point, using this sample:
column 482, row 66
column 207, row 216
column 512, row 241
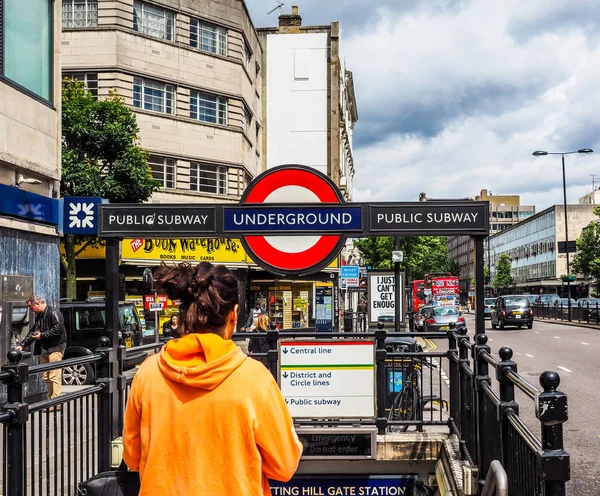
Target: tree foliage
column 101, row 157
column 422, row 254
column 587, row 261
column 503, row 279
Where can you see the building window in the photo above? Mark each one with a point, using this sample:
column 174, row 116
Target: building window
column 257, row 135
column 163, row 170
column 90, row 79
column 247, row 122
column 208, row 37
column 207, row 178
column 153, row 21
column 247, row 57
column 152, row 95
column 27, row 45
column 208, row 108
column 79, row 13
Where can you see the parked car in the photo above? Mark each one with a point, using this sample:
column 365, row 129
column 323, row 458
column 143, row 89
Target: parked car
column 85, row 324
column 488, row 304
column 533, row 298
column 420, row 317
column 439, row 318
column 512, row 310
column 548, row 299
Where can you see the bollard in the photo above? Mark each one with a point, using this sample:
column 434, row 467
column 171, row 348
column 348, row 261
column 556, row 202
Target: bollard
column 15, row 428
column 105, row 380
column 552, row 412
column 273, row 353
column 411, row 320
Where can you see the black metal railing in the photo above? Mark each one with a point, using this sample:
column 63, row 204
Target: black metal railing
column 584, row 312
column 489, row 425
column 355, row 322
column 47, row 451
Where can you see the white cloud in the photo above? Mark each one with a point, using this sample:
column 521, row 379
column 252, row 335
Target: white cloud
column 454, row 96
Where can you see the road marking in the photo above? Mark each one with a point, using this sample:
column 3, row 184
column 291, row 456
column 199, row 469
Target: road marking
column 527, row 354
column 442, row 373
column 537, row 332
column 586, row 344
column 564, row 368
column 490, row 340
column 556, row 337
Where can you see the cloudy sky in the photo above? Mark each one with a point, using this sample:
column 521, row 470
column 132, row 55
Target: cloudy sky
column 454, row 95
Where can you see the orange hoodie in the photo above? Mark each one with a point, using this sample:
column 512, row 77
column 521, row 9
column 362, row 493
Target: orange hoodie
column 204, row 419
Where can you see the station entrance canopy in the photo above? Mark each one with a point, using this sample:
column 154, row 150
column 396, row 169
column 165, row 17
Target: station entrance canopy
column 292, row 220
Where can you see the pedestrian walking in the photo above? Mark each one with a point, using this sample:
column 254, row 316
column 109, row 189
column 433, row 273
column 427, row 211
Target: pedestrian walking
column 260, row 344
column 50, row 339
column 232, row 427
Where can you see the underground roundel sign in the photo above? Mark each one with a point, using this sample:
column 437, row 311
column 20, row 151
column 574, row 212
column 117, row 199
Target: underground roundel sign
column 311, row 227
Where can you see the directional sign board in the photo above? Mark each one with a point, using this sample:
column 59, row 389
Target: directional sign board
column 328, row 379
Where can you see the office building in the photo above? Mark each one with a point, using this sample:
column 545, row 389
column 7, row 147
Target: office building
column 309, row 102
column 532, row 245
column 30, row 151
column 504, row 211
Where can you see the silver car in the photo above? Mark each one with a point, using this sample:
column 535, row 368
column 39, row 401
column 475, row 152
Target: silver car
column 420, row 317
column 439, row 318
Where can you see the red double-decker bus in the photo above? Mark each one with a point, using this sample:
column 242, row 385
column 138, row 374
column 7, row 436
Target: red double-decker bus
column 445, row 288
column 418, row 292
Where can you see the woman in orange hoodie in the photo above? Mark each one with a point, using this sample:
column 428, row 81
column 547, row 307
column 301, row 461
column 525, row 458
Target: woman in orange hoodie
column 203, row 402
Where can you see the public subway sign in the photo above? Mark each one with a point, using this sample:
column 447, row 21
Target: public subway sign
column 293, row 220
column 328, row 379
column 429, row 217
column 156, row 220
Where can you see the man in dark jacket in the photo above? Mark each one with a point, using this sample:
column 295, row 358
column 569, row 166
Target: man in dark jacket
column 50, row 339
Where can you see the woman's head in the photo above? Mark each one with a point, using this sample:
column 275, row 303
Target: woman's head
column 174, row 319
column 208, row 294
column 262, row 323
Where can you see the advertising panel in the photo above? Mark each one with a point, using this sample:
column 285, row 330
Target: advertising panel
column 382, row 296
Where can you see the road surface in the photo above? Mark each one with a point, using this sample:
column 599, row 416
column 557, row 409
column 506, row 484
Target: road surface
column 573, row 352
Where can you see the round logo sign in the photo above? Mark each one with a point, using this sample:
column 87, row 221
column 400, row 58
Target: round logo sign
column 292, row 254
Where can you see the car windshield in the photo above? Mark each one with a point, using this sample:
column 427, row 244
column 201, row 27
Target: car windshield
column 516, row 302
column 443, row 311
column 127, row 315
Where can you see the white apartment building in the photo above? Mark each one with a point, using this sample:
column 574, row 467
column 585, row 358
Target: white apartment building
column 191, row 71
column 309, row 101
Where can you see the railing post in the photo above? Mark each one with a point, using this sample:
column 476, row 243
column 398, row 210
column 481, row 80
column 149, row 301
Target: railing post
column 105, row 403
column 507, row 397
column 481, row 377
column 121, row 384
column 454, row 375
column 380, row 356
column 15, row 429
column 552, row 412
column 466, row 389
column 273, row 353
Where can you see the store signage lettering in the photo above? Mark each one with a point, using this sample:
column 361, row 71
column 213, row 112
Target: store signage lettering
column 344, row 485
column 191, row 245
column 291, row 219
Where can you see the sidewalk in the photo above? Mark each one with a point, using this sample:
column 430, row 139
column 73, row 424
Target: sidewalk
column 574, row 323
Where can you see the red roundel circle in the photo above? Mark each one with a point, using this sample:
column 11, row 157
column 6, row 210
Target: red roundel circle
column 292, row 254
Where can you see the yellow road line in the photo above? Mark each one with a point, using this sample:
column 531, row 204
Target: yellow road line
column 430, row 343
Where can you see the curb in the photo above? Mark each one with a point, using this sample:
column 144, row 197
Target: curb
column 570, row 324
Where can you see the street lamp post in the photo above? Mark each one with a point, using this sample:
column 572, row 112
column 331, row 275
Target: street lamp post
column 562, row 154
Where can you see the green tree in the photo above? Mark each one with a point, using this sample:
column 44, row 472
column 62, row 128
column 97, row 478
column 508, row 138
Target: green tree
column 587, row 261
column 503, row 279
column 101, row 157
column 486, row 275
column 422, row 254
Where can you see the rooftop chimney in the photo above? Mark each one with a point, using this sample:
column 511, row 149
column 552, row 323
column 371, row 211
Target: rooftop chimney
column 291, row 20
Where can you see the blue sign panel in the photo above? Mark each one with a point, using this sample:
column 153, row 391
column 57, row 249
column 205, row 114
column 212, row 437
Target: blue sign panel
column 350, row 271
column 321, row 485
column 20, row 203
column 301, row 219
column 80, row 215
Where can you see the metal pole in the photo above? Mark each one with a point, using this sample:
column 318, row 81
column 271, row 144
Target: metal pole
column 479, row 286
column 566, row 237
column 398, row 290
column 112, row 317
